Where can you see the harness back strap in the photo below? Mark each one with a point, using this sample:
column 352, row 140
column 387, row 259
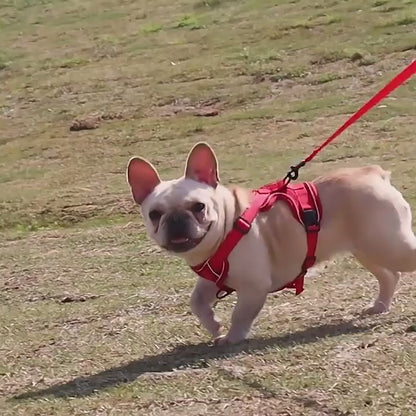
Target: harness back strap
column 303, row 200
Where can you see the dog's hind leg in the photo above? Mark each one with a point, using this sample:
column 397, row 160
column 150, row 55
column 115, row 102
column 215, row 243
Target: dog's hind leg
column 387, row 281
column 406, row 262
column 396, row 249
column 383, row 232
column 400, row 240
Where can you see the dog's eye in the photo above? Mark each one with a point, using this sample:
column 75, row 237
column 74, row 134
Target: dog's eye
column 155, row 215
column 198, row 207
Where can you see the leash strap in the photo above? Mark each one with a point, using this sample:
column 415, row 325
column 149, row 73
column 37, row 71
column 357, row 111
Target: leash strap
column 398, row 80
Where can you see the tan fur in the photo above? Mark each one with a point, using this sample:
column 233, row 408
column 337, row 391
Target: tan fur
column 362, row 214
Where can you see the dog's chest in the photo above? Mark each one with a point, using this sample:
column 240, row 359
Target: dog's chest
column 272, row 253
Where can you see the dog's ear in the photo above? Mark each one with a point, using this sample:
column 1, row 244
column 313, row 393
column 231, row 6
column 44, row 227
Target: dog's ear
column 202, row 165
column 142, row 178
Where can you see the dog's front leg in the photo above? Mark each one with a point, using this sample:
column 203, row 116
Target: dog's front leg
column 249, row 304
column 202, row 299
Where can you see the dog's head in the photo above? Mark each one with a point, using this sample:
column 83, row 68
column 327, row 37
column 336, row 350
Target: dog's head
column 179, row 214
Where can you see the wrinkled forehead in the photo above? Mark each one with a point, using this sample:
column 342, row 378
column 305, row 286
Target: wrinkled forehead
column 177, row 193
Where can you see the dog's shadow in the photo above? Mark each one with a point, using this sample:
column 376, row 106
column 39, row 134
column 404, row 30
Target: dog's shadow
column 191, row 355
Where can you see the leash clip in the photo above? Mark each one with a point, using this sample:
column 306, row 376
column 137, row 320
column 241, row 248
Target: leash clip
column 293, row 173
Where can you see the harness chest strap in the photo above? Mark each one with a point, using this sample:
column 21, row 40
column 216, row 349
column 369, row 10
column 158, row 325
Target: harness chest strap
column 303, row 200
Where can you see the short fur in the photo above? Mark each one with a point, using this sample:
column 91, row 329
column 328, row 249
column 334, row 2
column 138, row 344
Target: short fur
column 362, row 214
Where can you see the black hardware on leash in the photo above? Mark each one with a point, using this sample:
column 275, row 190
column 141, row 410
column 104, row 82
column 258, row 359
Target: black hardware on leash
column 293, row 173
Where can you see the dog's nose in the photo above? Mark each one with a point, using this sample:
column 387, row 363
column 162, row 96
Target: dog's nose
column 178, row 225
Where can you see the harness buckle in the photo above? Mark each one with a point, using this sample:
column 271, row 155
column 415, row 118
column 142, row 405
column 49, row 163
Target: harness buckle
column 311, row 221
column 242, row 225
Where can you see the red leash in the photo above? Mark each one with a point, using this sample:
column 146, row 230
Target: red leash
column 398, row 80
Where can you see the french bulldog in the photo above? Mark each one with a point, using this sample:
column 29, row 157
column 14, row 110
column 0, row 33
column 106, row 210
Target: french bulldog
column 189, row 217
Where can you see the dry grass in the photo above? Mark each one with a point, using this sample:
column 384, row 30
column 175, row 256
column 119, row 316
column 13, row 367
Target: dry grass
column 94, row 318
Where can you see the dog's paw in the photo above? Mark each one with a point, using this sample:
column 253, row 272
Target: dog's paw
column 216, row 330
column 376, row 309
column 226, row 340
column 220, row 340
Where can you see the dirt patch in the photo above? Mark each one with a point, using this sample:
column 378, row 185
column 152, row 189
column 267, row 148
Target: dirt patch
column 93, row 121
column 67, row 298
column 76, row 298
column 411, row 328
column 84, row 124
column 205, row 108
column 206, row 112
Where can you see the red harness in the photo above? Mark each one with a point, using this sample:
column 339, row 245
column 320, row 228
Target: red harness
column 304, row 202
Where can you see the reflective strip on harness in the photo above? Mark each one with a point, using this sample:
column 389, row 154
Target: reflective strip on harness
column 305, row 205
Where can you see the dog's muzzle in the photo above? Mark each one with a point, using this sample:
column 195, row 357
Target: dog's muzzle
column 178, row 229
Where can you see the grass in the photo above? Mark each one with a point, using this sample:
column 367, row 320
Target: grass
column 190, row 22
column 94, row 318
column 152, row 28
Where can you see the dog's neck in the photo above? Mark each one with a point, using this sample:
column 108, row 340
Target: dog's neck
column 231, row 202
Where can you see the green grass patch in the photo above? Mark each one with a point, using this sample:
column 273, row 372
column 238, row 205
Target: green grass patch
column 324, row 78
column 152, row 28
column 189, row 22
column 406, row 20
column 352, row 54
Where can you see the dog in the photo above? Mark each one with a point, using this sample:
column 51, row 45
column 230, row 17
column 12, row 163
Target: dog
column 189, row 217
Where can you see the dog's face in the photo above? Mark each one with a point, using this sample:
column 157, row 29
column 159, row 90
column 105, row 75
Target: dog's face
column 179, row 213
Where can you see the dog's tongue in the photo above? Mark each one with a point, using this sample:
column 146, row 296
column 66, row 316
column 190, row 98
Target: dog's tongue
column 180, row 240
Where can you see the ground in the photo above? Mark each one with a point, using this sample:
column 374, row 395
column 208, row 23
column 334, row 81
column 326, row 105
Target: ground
column 94, row 319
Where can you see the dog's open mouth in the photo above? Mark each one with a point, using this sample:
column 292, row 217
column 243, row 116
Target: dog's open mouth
column 182, row 244
column 181, row 240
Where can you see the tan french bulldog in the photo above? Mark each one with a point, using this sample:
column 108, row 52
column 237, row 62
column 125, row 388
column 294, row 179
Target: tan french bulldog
column 362, row 214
